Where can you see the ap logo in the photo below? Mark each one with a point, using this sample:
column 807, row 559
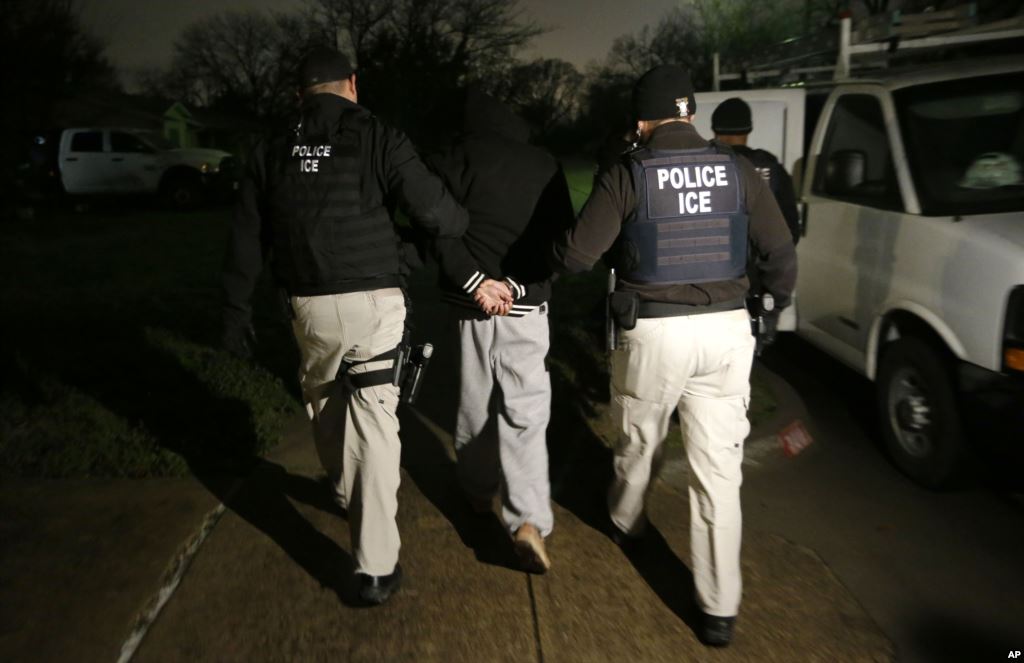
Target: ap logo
column 1014, row 654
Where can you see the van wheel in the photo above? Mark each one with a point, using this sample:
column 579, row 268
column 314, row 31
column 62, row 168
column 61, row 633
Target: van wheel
column 182, row 193
column 918, row 412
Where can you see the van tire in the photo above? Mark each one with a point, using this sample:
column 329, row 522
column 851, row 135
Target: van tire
column 918, row 412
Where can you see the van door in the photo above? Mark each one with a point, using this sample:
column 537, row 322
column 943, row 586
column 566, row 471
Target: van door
column 134, row 163
column 853, row 215
column 84, row 168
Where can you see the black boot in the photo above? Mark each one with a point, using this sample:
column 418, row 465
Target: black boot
column 716, row 631
column 378, row 589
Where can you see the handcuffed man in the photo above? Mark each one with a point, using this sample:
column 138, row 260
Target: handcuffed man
column 498, row 281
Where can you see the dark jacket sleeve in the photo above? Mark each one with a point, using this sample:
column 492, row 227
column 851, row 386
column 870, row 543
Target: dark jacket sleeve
column 452, row 255
column 598, row 225
column 243, row 260
column 419, row 192
column 770, row 239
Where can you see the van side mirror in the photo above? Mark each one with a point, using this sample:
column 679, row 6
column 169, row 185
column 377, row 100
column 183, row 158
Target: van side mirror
column 845, row 171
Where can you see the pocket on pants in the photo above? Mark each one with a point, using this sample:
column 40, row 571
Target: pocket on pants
column 637, row 367
column 390, row 310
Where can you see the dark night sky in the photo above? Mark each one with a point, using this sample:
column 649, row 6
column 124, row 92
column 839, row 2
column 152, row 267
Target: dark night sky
column 139, row 33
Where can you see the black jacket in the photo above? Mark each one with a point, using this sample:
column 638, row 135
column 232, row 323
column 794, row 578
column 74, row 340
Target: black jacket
column 613, row 200
column 387, row 171
column 518, row 202
column 779, row 181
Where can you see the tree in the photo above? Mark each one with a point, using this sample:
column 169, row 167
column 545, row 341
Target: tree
column 689, row 36
column 545, row 91
column 47, row 56
column 245, row 62
column 412, row 54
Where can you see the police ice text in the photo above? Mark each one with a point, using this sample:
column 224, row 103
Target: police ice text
column 693, row 177
column 310, row 155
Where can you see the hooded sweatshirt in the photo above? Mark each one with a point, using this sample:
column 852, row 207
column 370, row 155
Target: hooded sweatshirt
column 518, row 203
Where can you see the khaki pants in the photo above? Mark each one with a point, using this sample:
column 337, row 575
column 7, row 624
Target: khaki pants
column 356, row 432
column 699, row 364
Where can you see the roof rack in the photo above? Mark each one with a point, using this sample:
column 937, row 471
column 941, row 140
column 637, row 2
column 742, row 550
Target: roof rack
column 878, row 39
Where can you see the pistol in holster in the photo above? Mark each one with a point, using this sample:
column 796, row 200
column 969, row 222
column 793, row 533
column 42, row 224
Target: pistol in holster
column 623, row 310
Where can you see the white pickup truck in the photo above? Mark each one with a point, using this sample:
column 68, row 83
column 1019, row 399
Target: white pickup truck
column 912, row 251
column 129, row 161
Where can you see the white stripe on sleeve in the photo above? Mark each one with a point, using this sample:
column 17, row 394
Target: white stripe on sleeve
column 473, row 282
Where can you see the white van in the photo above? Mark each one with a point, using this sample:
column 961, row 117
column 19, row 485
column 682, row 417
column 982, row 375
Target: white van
column 130, row 161
column 911, row 260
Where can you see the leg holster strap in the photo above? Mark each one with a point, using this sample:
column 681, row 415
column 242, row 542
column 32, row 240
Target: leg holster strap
column 370, row 378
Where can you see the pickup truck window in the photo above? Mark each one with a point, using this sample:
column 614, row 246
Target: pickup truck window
column 87, row 141
column 125, row 142
column 856, row 162
column 965, row 143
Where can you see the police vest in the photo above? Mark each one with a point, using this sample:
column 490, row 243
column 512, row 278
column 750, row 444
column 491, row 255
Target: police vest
column 690, row 222
column 327, row 237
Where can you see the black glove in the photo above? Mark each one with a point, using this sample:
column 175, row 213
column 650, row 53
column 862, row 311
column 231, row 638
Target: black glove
column 239, row 340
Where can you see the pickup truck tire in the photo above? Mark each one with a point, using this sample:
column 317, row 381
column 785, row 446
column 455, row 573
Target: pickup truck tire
column 182, row 191
column 918, row 412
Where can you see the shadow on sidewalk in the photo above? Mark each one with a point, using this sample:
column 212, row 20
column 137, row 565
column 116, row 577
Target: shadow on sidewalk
column 581, row 471
column 228, row 466
column 262, row 500
column 667, row 575
column 433, row 471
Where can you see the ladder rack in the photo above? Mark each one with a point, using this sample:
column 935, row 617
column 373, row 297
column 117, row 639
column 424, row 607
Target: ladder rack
column 878, row 39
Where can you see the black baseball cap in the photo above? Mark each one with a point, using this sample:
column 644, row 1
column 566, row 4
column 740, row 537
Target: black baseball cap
column 662, row 93
column 323, row 65
column 732, row 118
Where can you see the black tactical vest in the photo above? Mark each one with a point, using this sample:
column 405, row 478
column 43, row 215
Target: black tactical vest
column 690, row 222
column 328, row 237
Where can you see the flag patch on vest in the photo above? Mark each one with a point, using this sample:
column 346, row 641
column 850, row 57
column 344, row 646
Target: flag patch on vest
column 691, row 189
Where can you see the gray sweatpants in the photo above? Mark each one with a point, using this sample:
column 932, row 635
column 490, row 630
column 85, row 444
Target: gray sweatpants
column 504, row 408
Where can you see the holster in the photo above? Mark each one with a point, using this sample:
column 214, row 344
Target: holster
column 624, row 307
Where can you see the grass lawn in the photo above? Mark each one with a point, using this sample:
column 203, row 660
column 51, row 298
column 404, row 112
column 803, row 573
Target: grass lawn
column 107, row 352
column 580, row 177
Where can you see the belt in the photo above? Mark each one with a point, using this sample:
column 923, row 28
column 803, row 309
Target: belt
column 671, row 310
column 344, row 287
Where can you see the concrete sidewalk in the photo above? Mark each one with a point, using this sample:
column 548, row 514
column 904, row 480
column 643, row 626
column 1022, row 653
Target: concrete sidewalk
column 80, row 558
column 272, row 582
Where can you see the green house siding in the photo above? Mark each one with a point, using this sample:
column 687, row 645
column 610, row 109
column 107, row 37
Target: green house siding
column 179, row 127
